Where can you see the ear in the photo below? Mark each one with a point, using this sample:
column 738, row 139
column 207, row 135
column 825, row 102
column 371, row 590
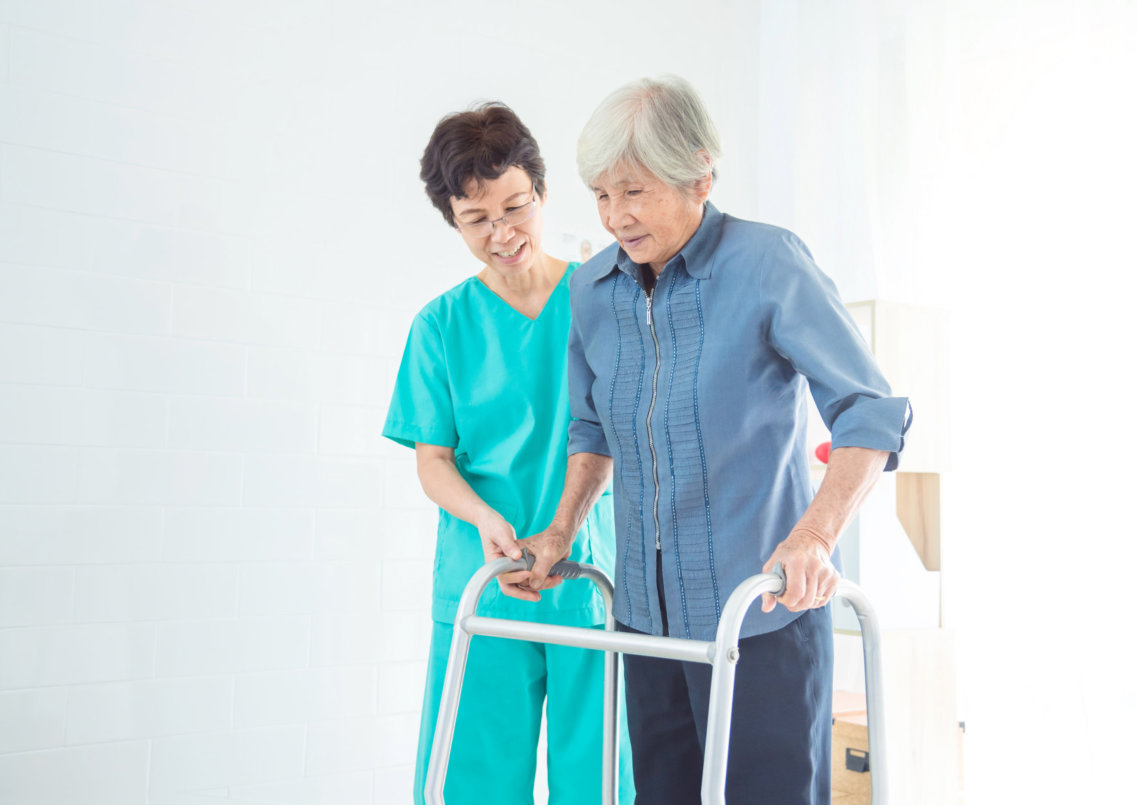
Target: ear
column 702, row 188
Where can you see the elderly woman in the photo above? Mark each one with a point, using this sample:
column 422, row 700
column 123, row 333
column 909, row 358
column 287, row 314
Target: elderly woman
column 695, row 338
column 481, row 396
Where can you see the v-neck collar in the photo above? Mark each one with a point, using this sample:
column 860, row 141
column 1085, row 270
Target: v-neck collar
column 564, row 278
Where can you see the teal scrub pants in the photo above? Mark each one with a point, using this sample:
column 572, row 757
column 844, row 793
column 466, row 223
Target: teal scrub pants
column 494, row 754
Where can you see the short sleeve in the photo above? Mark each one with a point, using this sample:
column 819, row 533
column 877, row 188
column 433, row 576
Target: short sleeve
column 422, row 409
column 810, row 328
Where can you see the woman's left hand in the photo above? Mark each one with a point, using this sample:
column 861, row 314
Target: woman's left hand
column 811, row 578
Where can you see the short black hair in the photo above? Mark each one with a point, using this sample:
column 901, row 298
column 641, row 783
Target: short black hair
column 479, row 145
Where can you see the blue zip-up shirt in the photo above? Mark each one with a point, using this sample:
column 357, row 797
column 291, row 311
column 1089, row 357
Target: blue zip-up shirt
column 697, row 391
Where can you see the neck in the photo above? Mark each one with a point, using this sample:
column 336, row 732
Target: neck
column 544, row 275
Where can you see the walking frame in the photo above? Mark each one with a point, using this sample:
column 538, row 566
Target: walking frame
column 722, row 654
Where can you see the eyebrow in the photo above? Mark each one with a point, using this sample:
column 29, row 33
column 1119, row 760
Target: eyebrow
column 623, row 182
column 480, row 210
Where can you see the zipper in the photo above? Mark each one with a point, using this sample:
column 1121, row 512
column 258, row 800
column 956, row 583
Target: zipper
column 650, row 411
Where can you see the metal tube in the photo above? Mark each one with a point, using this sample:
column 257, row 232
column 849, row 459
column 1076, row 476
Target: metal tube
column 452, row 682
column 670, row 648
column 874, row 687
column 725, row 661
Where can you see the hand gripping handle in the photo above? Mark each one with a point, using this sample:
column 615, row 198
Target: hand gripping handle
column 564, row 568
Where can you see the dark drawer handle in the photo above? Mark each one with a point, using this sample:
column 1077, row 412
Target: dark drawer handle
column 856, row 760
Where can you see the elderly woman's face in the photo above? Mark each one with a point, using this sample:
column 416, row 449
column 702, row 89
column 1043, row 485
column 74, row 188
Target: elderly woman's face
column 652, row 219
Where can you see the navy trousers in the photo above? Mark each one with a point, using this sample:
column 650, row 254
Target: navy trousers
column 781, row 730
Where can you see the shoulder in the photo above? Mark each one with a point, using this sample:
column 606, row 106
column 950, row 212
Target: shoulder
column 739, row 233
column 750, row 248
column 599, row 266
column 443, row 307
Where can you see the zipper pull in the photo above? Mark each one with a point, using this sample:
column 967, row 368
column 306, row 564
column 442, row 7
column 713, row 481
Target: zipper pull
column 649, row 310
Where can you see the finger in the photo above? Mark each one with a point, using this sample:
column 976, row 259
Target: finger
column 795, row 588
column 542, row 564
column 507, row 546
column 768, row 602
column 514, row 585
column 514, row 577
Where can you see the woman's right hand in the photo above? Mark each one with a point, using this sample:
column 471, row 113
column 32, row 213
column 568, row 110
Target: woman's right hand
column 500, row 540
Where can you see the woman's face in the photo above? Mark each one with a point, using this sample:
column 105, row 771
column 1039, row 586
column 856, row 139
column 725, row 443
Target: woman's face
column 508, row 250
column 652, row 219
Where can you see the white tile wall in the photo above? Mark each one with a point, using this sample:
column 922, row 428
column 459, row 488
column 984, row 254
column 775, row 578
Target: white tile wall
column 32, row 719
column 32, row 474
column 36, row 596
column 148, row 477
column 349, row 430
column 57, row 415
column 237, row 534
column 232, row 757
column 304, row 696
column 230, row 315
column 351, row 788
column 242, row 426
column 101, row 774
column 116, row 712
column 72, row 183
column 45, row 656
column 40, row 355
column 402, row 587
column 84, row 301
column 116, row 593
column 232, row 646
column 401, row 686
column 394, row 783
column 311, row 481
column 38, row 535
column 141, row 363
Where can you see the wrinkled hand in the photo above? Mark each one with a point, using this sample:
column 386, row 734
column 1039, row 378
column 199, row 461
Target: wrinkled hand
column 811, row 578
column 548, row 547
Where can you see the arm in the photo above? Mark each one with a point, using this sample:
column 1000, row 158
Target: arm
column 585, row 479
column 440, row 479
column 805, row 554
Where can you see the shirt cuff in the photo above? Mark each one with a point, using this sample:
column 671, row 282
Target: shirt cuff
column 587, row 437
column 875, row 423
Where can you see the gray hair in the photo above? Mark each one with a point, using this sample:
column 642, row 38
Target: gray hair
column 658, row 123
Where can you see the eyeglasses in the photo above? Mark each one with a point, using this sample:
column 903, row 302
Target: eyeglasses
column 515, row 217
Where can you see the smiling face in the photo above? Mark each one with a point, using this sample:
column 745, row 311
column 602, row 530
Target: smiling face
column 651, row 219
column 508, row 250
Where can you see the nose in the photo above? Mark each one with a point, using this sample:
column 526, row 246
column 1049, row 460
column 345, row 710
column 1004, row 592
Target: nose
column 616, row 214
column 502, row 232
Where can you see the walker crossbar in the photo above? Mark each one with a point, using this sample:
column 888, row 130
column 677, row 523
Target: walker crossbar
column 722, row 655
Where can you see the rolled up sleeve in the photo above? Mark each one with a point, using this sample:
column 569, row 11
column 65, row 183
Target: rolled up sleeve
column 810, row 328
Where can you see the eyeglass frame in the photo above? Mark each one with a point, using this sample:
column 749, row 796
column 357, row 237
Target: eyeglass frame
column 531, row 205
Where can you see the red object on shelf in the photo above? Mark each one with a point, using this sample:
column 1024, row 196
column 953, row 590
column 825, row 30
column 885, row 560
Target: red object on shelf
column 822, row 452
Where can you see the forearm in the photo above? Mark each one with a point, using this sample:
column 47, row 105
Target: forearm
column 849, row 477
column 586, row 478
column 443, row 484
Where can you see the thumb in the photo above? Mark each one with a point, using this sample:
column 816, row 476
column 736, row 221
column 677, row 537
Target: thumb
column 503, row 544
column 539, row 573
column 509, row 546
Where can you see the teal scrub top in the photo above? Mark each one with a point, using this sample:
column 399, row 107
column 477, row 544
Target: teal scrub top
column 480, row 377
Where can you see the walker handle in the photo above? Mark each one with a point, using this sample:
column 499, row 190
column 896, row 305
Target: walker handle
column 564, row 568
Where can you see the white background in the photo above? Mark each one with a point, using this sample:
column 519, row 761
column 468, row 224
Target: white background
column 214, row 574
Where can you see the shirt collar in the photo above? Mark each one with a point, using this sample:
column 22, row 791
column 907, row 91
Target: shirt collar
column 696, row 254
